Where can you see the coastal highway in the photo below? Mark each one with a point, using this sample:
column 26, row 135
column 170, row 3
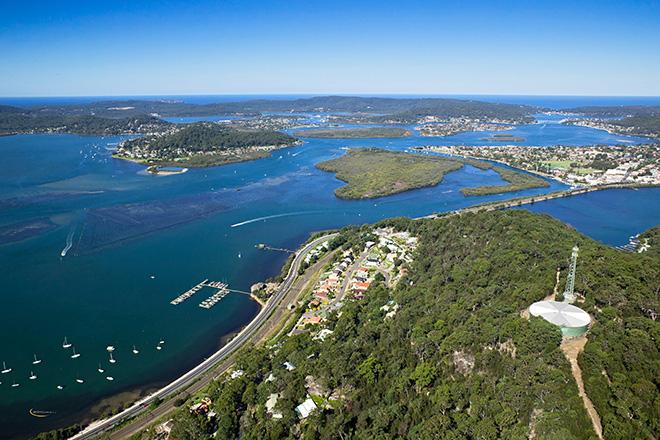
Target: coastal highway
column 99, row 427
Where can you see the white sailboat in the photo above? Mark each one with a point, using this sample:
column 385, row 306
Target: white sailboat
column 32, row 375
column 135, row 350
column 112, row 360
column 36, row 361
column 101, row 370
column 110, row 378
column 60, row 387
column 75, row 355
column 14, row 385
column 66, row 344
column 79, row 380
column 5, row 370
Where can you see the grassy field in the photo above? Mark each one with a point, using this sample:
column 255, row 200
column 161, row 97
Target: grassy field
column 355, row 133
column 370, row 172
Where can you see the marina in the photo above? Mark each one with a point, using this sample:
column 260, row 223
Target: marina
column 188, row 293
column 216, row 297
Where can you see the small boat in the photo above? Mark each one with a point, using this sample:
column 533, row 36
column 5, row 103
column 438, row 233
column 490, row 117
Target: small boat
column 161, row 342
column 152, row 277
column 32, row 375
column 80, row 380
column 5, row 370
column 36, row 361
column 60, row 387
column 158, row 347
column 239, row 255
column 66, row 344
column 112, row 360
column 75, row 355
column 110, row 378
column 135, row 350
column 110, row 348
column 101, row 370
column 14, row 385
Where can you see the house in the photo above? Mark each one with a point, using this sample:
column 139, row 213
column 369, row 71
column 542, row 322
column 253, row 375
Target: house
column 289, row 366
column 360, row 286
column 312, row 320
column 306, row 408
column 270, row 406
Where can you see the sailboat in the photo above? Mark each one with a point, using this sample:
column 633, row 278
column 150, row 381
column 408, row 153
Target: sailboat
column 135, row 350
column 32, row 375
column 36, row 361
column 14, row 385
column 79, row 380
column 101, row 370
column 5, row 370
column 110, row 378
column 60, row 387
column 112, row 360
column 75, row 355
column 66, row 344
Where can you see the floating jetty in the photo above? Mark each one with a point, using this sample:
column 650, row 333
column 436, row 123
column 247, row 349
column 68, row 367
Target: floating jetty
column 216, row 297
column 188, row 293
column 265, row 247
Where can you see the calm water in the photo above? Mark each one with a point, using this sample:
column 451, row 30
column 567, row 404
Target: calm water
column 135, row 241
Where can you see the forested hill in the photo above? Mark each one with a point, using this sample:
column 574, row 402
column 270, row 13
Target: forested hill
column 203, row 144
column 617, row 110
column 458, row 361
column 14, row 120
column 437, row 106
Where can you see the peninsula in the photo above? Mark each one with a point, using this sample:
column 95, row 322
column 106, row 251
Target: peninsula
column 371, row 172
column 202, row 145
column 356, row 133
column 428, row 284
column 584, row 166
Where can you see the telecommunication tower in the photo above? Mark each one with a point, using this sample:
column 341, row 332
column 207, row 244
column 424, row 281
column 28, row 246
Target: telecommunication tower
column 569, row 295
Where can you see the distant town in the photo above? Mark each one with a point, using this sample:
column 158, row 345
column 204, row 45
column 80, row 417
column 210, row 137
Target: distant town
column 590, row 166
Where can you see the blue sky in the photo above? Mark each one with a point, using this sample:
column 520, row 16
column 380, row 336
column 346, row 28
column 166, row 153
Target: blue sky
column 258, row 47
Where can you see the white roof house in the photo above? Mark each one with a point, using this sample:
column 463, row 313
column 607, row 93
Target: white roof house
column 306, row 408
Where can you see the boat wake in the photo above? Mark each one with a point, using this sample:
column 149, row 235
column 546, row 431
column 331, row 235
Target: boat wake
column 258, row 219
column 69, row 242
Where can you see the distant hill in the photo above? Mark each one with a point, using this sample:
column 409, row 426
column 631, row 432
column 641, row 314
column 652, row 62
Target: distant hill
column 617, row 110
column 423, row 106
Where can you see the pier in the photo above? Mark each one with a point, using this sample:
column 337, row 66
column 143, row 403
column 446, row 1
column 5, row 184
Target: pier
column 265, row 247
column 188, row 293
column 216, row 297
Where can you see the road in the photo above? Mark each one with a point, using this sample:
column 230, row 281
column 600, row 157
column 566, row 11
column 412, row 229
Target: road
column 97, row 428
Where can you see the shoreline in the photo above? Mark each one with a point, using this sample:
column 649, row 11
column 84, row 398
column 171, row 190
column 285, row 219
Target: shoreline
column 208, row 364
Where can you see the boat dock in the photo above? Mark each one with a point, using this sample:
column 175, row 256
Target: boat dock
column 223, row 290
column 188, row 293
column 216, row 297
column 265, row 247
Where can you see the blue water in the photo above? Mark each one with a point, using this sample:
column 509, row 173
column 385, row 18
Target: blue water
column 610, row 216
column 123, row 227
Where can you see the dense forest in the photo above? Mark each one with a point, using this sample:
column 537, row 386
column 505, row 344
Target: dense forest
column 209, row 136
column 15, row 121
column 458, row 360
